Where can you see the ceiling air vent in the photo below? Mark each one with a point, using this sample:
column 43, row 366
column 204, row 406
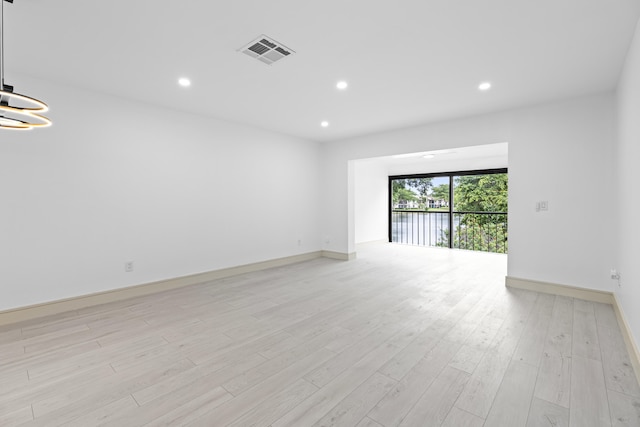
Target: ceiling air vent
column 266, row 50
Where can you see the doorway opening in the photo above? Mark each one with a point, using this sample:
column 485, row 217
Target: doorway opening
column 462, row 210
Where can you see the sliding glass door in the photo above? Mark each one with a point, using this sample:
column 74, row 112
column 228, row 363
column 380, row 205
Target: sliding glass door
column 464, row 210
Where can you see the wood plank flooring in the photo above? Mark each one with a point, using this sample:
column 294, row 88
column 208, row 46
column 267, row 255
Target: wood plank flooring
column 402, row 336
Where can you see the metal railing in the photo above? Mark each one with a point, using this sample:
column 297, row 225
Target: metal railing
column 478, row 231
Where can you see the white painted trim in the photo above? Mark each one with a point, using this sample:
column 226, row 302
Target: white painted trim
column 339, row 255
column 589, row 295
column 556, row 289
column 632, row 347
column 75, row 303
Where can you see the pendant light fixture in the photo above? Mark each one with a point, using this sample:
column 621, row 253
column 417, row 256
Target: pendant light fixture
column 17, row 111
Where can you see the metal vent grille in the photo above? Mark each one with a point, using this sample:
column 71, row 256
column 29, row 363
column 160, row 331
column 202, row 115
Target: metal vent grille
column 266, row 50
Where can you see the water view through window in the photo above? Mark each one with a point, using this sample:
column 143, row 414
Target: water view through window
column 426, row 208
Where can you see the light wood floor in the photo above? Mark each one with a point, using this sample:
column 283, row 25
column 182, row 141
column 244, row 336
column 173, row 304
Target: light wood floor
column 402, row 336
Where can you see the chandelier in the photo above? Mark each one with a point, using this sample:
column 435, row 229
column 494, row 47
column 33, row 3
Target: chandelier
column 17, row 111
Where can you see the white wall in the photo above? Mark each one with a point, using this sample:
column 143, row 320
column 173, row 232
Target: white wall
column 113, row 181
column 628, row 174
column 371, row 183
column 561, row 152
column 371, row 196
column 450, row 165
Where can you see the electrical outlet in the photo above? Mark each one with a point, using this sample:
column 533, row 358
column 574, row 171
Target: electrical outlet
column 128, row 266
column 615, row 275
column 542, row 205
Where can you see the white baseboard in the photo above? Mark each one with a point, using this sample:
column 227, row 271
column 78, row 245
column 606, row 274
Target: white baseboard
column 632, row 347
column 556, row 289
column 75, row 303
column 589, row 295
column 339, row 255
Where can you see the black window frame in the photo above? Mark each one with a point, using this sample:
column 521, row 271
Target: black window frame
column 451, row 175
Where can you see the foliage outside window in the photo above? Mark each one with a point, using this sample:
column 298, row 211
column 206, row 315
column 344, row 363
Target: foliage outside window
column 478, row 214
column 482, row 203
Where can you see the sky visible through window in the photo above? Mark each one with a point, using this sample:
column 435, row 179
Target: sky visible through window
column 423, row 214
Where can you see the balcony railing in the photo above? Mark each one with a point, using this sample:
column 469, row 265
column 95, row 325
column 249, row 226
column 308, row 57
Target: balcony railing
column 478, row 231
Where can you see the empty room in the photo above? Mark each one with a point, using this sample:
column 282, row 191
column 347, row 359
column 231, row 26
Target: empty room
column 363, row 213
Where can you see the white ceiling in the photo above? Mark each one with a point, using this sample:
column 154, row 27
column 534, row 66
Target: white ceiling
column 407, row 61
column 488, row 156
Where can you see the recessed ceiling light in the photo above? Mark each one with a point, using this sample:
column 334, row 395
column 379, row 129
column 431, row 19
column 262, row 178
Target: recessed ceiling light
column 342, row 85
column 484, row 86
column 184, row 82
column 324, row 124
